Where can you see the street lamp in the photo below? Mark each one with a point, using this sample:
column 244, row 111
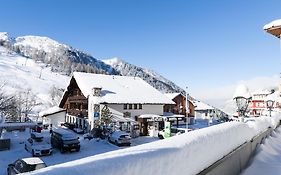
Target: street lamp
column 242, row 98
column 269, row 105
column 186, row 107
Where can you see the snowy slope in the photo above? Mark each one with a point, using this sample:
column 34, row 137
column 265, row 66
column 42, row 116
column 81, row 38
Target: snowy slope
column 66, row 59
column 19, row 74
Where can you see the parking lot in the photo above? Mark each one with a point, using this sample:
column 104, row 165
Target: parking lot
column 88, row 148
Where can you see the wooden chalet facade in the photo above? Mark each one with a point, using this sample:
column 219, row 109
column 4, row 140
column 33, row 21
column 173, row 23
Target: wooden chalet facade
column 179, row 107
column 76, row 105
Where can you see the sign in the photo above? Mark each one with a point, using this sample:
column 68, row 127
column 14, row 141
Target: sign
column 96, row 115
column 167, row 129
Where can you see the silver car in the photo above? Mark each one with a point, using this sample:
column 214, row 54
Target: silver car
column 37, row 145
column 120, row 138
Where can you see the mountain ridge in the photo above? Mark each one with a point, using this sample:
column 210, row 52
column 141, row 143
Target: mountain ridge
column 65, row 59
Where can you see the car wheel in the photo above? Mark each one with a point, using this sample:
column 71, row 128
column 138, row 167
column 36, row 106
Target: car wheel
column 33, row 153
column 25, row 147
column 116, row 143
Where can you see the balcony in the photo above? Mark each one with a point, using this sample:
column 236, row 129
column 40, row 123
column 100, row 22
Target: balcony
column 78, row 113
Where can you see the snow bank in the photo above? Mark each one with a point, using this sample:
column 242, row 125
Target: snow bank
column 188, row 153
column 267, row 160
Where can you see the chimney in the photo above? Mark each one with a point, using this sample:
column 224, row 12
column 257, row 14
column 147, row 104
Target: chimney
column 96, row 91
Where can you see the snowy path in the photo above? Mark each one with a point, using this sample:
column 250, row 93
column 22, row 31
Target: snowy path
column 268, row 157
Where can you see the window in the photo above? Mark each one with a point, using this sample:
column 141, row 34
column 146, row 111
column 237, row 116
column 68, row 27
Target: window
column 135, row 106
column 130, row 106
column 140, row 106
column 125, row 106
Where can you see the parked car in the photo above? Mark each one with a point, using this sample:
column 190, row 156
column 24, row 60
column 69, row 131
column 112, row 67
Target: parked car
column 65, row 140
column 174, row 131
column 120, row 138
column 37, row 145
column 25, row 165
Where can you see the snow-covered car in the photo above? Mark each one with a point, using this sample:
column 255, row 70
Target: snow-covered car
column 37, row 145
column 25, row 165
column 120, row 138
column 174, row 131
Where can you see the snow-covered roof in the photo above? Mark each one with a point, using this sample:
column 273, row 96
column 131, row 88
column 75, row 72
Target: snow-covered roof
column 172, row 95
column 242, row 91
column 150, row 116
column 33, row 160
column 261, row 92
column 275, row 23
column 202, row 106
column 51, row 110
column 120, row 89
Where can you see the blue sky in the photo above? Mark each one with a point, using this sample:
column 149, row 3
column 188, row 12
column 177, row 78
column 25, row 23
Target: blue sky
column 197, row 43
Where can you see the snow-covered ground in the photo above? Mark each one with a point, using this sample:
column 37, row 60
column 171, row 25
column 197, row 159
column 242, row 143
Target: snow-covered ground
column 268, row 157
column 88, row 148
column 183, row 154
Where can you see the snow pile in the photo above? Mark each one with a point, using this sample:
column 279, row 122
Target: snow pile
column 267, row 160
column 275, row 23
column 184, row 154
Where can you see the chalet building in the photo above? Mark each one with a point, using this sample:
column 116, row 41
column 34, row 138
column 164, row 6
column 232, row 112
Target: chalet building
column 257, row 106
column 88, row 96
column 179, row 107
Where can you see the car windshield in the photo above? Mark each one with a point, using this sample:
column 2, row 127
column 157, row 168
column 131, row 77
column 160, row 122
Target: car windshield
column 71, row 141
column 38, row 139
column 124, row 136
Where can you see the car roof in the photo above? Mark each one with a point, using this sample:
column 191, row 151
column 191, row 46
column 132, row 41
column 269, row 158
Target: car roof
column 32, row 160
column 119, row 133
column 63, row 131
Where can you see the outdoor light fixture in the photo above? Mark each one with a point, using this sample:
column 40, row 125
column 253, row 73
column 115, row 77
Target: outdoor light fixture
column 269, row 105
column 242, row 105
column 242, row 98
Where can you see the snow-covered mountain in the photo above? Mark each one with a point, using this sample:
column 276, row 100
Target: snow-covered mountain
column 65, row 59
column 24, row 78
column 153, row 78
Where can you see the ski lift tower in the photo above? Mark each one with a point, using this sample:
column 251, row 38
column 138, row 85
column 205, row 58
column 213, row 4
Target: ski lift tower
column 274, row 28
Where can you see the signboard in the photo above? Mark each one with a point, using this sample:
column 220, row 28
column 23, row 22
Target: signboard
column 167, row 129
column 96, row 115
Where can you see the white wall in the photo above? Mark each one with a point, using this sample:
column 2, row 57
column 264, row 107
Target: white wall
column 146, row 109
column 56, row 119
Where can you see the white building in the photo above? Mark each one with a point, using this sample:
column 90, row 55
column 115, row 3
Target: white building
column 203, row 110
column 88, row 95
column 54, row 116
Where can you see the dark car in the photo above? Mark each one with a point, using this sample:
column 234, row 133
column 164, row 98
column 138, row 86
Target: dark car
column 25, row 165
column 65, row 140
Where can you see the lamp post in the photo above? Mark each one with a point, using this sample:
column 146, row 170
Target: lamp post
column 242, row 98
column 269, row 105
column 186, row 107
